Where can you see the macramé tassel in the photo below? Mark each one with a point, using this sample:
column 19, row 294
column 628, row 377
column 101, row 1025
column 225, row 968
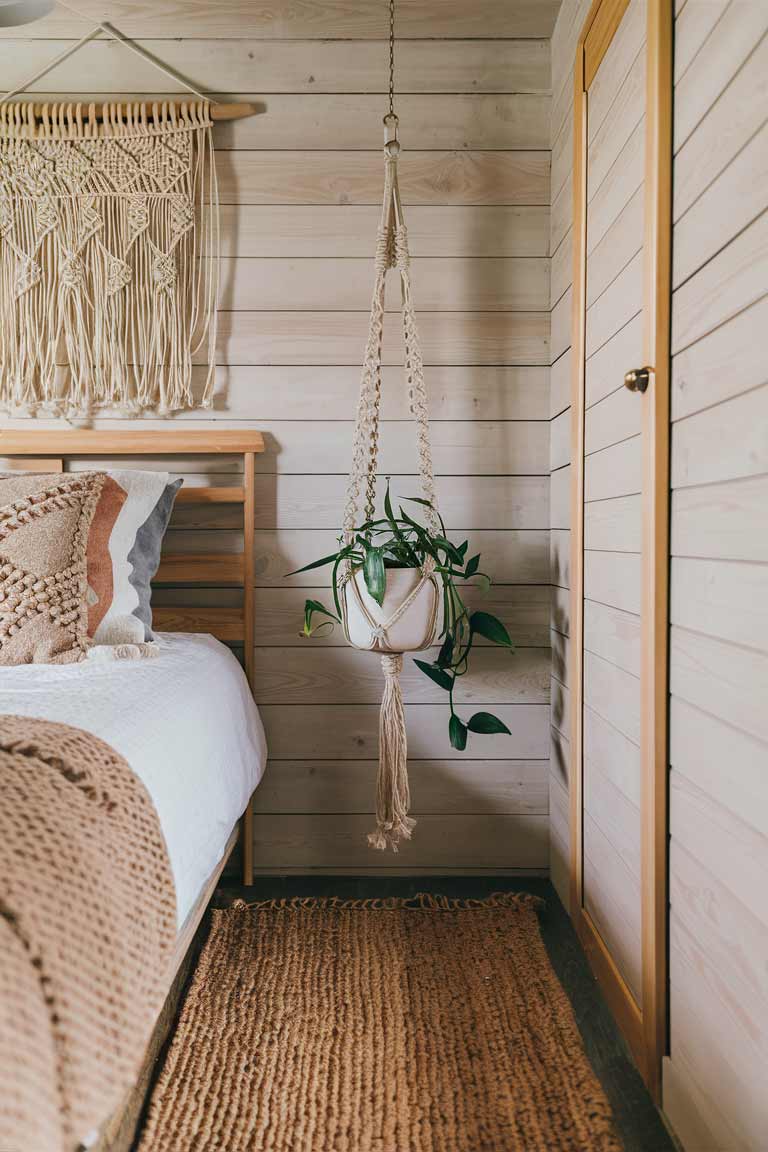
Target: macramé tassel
column 393, row 798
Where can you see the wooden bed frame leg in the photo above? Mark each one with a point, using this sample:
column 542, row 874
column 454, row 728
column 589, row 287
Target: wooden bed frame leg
column 249, row 612
column 246, row 833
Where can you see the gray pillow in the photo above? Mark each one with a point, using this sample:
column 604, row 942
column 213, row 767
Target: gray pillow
column 144, row 557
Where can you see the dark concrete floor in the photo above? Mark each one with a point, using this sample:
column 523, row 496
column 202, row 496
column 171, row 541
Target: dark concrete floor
column 638, row 1122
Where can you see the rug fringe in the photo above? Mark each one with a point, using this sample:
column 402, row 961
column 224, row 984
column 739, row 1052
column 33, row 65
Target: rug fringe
column 422, row 902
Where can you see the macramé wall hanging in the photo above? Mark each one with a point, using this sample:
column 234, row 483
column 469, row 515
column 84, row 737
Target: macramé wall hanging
column 109, row 244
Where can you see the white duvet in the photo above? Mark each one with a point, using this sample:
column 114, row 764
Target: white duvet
column 185, row 722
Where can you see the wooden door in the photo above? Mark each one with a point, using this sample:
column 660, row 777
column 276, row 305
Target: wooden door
column 622, row 162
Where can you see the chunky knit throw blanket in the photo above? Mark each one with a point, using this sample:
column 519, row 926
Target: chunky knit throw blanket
column 87, row 930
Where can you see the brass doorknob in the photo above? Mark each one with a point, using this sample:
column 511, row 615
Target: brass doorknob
column 637, row 379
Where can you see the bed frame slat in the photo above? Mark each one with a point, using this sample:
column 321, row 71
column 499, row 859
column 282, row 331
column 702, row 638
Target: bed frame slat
column 226, row 624
column 95, row 442
column 214, row 569
column 31, row 464
column 192, row 495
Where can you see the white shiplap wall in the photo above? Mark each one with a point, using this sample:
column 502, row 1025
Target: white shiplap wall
column 300, row 186
column 714, row 1084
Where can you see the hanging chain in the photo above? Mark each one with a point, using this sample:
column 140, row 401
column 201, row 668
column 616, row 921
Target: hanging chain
column 391, row 143
column 391, row 58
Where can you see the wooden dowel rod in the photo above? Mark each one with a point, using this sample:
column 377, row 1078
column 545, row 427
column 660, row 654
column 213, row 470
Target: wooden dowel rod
column 218, row 111
column 232, row 111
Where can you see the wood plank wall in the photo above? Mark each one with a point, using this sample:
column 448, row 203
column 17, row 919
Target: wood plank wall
column 719, row 568
column 567, row 28
column 714, row 1086
column 300, row 186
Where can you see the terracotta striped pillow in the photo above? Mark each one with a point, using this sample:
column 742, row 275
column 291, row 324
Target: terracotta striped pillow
column 124, row 554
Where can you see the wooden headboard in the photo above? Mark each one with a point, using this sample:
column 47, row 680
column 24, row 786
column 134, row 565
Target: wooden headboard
column 47, row 451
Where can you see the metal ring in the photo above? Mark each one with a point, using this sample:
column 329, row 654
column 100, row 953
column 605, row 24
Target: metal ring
column 391, row 142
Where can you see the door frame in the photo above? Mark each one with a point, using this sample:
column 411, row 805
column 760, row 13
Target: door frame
column 645, row 1029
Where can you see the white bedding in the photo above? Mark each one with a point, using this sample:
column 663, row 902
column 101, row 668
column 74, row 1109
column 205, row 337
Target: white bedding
column 185, row 722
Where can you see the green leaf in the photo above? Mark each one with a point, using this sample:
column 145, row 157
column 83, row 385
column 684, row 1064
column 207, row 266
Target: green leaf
column 449, row 549
column 427, row 504
column 488, row 626
column 483, row 583
column 370, row 524
column 457, row 733
column 375, row 574
column 325, row 560
column 312, row 608
column 397, row 531
column 335, row 587
column 418, row 500
column 472, row 566
column 446, row 609
column 487, row 723
column 406, row 519
column 441, row 678
column 424, row 540
column 445, row 655
column 463, row 548
column 388, row 505
column 459, row 611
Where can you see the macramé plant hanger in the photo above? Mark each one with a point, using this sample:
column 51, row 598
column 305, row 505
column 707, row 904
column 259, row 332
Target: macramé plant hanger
column 409, row 616
column 394, row 579
column 109, row 245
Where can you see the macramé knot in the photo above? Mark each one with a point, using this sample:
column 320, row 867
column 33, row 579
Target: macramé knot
column 428, row 566
column 392, row 664
column 72, row 272
column 402, row 258
column 384, row 252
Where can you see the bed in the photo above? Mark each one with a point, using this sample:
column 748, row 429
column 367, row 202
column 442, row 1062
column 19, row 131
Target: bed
column 185, row 722
column 194, row 700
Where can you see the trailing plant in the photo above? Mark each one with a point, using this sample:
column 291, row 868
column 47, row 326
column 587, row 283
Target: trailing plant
column 402, row 542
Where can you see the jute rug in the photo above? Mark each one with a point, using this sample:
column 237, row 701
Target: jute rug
column 426, row 1025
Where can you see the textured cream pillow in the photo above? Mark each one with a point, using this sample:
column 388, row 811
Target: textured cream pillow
column 45, row 521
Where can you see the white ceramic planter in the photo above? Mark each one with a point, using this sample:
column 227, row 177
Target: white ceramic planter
column 367, row 624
